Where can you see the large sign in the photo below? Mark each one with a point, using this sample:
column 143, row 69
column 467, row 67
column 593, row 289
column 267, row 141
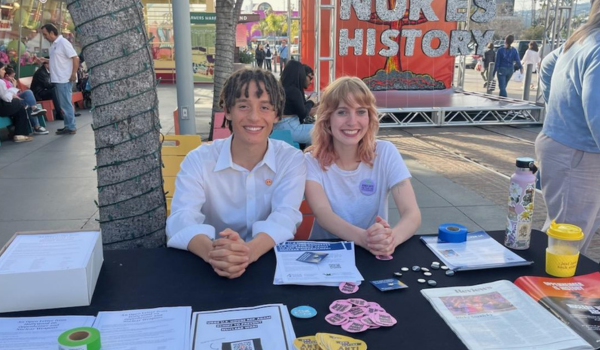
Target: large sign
column 211, row 18
column 397, row 44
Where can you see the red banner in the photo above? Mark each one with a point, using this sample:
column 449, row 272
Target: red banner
column 410, row 68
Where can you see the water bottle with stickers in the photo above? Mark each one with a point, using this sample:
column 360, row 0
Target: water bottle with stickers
column 520, row 204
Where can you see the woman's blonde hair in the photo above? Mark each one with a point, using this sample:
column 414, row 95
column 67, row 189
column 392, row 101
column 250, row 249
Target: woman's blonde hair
column 586, row 30
column 350, row 90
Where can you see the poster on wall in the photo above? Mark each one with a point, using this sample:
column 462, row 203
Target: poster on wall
column 395, row 44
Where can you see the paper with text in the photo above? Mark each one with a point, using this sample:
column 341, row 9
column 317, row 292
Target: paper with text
column 38, row 333
column 251, row 328
column 146, row 329
column 48, row 252
column 338, row 266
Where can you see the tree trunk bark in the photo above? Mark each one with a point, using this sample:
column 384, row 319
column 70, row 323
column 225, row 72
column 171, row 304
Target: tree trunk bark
column 228, row 12
column 125, row 121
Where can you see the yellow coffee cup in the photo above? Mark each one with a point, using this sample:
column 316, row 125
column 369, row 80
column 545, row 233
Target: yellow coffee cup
column 562, row 254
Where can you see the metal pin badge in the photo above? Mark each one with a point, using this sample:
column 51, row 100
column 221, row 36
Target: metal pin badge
column 449, row 273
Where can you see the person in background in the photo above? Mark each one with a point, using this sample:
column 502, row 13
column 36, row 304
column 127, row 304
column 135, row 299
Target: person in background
column 489, row 56
column 568, row 148
column 238, row 197
column 350, row 173
column 268, row 57
column 259, row 55
column 297, row 108
column 531, row 56
column 506, row 58
column 27, row 100
column 43, row 89
column 64, row 63
column 283, row 54
column 13, row 108
column 310, row 76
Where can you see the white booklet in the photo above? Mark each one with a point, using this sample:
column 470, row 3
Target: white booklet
column 145, row 329
column 316, row 263
column 499, row 315
column 37, row 333
column 259, row 327
column 479, row 251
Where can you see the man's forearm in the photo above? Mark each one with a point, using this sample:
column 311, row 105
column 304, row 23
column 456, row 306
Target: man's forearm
column 259, row 245
column 200, row 245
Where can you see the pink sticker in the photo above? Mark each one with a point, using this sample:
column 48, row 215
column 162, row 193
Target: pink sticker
column 373, row 310
column 366, row 320
column 355, row 312
column 383, row 319
column 348, row 288
column 357, row 301
column 336, row 319
column 340, row 306
column 354, row 327
column 384, row 257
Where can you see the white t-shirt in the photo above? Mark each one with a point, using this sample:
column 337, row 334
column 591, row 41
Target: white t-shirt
column 61, row 60
column 531, row 57
column 360, row 195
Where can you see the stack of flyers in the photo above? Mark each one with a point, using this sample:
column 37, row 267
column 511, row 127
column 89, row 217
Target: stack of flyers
column 316, row 263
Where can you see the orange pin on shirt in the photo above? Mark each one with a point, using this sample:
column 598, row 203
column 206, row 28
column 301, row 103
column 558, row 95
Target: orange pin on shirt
column 269, row 182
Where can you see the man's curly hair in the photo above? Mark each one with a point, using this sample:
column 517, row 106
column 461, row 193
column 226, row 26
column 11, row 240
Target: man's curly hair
column 238, row 83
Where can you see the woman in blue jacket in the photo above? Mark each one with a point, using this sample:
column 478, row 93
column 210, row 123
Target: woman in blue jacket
column 506, row 59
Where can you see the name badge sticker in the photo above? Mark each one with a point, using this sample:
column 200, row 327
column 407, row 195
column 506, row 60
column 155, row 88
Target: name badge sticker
column 367, row 187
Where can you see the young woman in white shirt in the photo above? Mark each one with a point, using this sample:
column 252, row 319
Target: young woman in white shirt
column 532, row 56
column 350, row 173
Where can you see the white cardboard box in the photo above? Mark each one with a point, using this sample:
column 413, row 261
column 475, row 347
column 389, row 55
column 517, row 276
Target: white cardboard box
column 58, row 271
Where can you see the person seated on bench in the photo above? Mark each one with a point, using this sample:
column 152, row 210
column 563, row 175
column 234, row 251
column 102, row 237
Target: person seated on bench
column 350, row 173
column 297, row 108
column 27, row 100
column 43, row 89
column 237, row 197
column 12, row 107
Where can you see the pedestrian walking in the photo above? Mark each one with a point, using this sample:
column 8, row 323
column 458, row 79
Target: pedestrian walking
column 531, row 56
column 283, row 53
column 259, row 55
column 489, row 56
column 268, row 57
column 506, row 59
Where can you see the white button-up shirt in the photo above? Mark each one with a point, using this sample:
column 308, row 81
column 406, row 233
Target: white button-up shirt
column 61, row 60
column 213, row 193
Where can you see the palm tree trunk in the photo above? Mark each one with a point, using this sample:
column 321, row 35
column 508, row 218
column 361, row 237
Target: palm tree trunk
column 125, row 121
column 228, row 12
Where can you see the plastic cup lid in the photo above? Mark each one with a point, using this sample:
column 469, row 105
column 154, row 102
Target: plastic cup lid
column 566, row 232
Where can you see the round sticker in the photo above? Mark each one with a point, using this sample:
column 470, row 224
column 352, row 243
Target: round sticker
column 367, row 187
column 304, row 312
column 348, row 287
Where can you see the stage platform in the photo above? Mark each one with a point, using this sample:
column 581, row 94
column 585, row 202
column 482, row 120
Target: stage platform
column 449, row 107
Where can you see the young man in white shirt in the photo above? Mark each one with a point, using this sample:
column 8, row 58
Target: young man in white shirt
column 64, row 63
column 237, row 197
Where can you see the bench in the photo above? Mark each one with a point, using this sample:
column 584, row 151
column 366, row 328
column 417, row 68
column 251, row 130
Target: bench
column 5, row 122
column 77, row 98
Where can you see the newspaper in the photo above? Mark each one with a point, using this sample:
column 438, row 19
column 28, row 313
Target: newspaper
column 259, row 327
column 479, row 251
column 499, row 315
column 338, row 265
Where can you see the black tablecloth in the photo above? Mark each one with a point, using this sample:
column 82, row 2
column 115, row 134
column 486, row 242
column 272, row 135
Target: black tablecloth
column 149, row 278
